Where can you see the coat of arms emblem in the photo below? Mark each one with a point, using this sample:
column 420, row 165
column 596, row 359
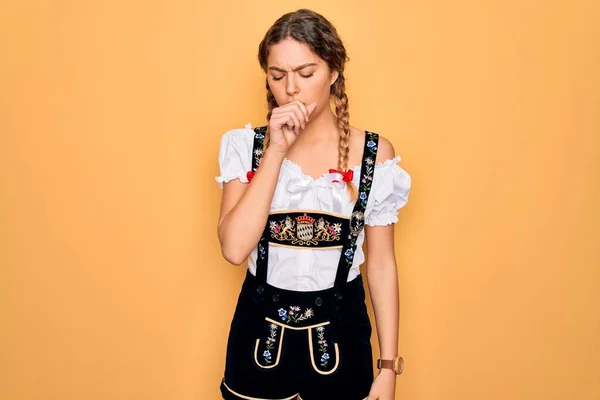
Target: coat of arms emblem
column 305, row 230
column 305, row 227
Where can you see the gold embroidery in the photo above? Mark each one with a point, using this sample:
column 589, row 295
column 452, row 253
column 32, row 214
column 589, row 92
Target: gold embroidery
column 305, row 230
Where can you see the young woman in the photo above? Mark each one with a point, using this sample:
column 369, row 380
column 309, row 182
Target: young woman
column 297, row 194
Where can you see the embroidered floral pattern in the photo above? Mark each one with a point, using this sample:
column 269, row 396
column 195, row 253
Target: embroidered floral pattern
column 323, row 346
column 369, row 167
column 357, row 219
column 267, row 356
column 305, row 230
column 259, row 137
column 270, row 343
column 257, row 152
column 356, row 223
column 294, row 314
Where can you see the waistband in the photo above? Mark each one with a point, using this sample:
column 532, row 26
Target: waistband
column 301, row 309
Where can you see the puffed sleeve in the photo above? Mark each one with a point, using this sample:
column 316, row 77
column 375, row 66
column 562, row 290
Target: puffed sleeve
column 389, row 193
column 235, row 155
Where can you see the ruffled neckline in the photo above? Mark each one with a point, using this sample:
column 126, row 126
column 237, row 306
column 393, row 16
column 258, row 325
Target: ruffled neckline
column 298, row 169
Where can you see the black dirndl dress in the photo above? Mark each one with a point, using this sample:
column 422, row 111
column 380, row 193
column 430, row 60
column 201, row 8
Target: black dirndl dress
column 314, row 345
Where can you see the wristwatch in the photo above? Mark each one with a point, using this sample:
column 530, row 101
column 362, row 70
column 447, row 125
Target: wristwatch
column 396, row 365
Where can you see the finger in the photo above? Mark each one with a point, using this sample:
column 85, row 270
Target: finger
column 311, row 107
column 298, row 118
column 288, row 118
column 295, row 115
column 295, row 105
column 301, row 117
column 279, row 123
column 279, row 110
column 298, row 108
column 291, row 124
column 303, row 109
column 296, row 127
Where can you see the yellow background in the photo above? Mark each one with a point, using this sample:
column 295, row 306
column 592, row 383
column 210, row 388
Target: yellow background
column 112, row 285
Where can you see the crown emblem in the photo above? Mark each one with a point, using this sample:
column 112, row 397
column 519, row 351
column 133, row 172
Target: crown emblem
column 305, row 219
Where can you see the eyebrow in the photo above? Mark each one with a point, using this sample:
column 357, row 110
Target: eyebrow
column 295, row 69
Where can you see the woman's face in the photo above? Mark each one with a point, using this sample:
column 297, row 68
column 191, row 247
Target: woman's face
column 296, row 73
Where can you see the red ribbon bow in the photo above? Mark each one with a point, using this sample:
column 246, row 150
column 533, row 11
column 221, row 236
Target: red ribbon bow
column 348, row 175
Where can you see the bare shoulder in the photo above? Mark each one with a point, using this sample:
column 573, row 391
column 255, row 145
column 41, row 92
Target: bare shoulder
column 385, row 149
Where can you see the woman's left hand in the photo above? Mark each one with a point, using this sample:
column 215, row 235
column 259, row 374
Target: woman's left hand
column 384, row 386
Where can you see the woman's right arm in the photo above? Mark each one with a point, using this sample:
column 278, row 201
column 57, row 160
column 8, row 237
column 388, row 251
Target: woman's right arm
column 244, row 207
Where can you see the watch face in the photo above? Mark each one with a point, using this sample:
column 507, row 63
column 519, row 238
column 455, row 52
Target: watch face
column 399, row 365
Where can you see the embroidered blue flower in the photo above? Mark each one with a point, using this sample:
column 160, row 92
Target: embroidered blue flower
column 371, row 145
column 260, row 136
column 363, row 196
column 325, row 357
column 267, row 355
column 261, row 249
column 282, row 313
column 349, row 253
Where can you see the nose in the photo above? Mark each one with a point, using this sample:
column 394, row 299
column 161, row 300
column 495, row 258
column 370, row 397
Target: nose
column 291, row 87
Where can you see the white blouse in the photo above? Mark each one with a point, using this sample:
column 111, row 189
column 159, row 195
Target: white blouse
column 303, row 269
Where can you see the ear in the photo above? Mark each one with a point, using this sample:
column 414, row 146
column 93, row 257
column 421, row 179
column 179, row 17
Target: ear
column 334, row 76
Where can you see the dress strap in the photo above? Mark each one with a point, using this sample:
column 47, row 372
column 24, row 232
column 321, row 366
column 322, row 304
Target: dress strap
column 263, row 244
column 357, row 219
column 258, row 146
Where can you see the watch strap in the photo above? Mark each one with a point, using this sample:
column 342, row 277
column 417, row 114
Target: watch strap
column 396, row 365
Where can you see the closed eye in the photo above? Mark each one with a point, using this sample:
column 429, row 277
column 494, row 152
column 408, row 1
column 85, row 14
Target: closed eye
column 278, row 78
